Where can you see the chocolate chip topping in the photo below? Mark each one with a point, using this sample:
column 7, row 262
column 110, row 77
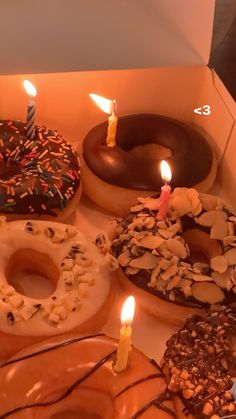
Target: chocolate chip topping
column 200, row 364
column 116, row 165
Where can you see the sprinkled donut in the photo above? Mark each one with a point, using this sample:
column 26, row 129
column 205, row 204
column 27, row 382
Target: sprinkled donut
column 200, row 366
column 39, row 177
column 62, row 254
column 188, row 260
column 114, row 177
column 84, row 385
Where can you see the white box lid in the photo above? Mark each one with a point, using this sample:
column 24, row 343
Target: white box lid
column 72, row 35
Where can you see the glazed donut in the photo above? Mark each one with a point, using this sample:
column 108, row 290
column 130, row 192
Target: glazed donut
column 39, row 177
column 37, row 384
column 199, row 364
column 114, row 177
column 183, row 264
column 72, row 262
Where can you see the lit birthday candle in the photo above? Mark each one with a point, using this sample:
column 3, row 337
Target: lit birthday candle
column 108, row 106
column 31, row 108
column 165, row 190
column 125, row 343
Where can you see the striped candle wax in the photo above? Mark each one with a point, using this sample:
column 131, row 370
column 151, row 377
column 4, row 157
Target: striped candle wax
column 31, row 109
column 110, row 107
column 165, row 190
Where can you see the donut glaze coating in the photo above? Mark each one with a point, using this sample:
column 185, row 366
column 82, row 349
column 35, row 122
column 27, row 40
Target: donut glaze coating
column 37, row 176
column 76, row 374
column 117, row 166
column 200, row 366
column 80, row 274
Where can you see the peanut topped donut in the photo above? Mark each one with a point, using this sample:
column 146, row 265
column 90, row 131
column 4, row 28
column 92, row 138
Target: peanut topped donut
column 187, row 260
column 74, row 378
column 39, row 177
column 200, row 366
column 131, row 168
column 71, row 262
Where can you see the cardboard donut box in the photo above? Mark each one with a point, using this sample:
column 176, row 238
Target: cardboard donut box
column 151, row 56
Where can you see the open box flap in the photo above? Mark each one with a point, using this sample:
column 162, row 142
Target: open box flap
column 71, row 35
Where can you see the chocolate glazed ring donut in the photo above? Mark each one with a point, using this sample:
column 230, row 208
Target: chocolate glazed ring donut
column 131, row 169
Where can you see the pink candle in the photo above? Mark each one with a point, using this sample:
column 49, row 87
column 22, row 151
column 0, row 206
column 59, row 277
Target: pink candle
column 165, row 190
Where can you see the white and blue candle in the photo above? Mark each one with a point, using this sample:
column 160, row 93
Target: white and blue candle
column 31, row 109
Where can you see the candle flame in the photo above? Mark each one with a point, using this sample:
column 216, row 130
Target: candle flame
column 165, row 171
column 127, row 312
column 30, row 88
column 106, row 105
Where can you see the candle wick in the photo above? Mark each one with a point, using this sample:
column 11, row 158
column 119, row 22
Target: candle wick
column 114, row 108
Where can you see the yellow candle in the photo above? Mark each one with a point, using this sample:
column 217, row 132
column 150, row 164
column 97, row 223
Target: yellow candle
column 108, row 106
column 125, row 343
column 111, row 131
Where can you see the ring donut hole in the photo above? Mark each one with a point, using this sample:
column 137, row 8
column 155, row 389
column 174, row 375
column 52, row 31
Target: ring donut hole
column 32, row 273
column 202, row 247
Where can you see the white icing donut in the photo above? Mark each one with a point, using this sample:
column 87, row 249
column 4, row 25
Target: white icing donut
column 83, row 285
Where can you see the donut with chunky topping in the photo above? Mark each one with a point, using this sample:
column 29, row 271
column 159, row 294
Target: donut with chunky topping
column 200, row 366
column 81, row 288
column 188, row 260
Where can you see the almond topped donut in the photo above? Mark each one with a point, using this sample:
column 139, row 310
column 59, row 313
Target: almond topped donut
column 200, row 366
column 73, row 377
column 81, row 294
column 114, row 177
column 40, row 178
column 182, row 264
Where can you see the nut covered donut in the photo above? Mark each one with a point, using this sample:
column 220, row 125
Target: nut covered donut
column 73, row 377
column 114, row 177
column 71, row 262
column 187, row 260
column 39, row 177
column 200, row 366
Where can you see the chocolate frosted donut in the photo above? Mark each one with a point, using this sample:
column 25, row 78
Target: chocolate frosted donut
column 200, row 366
column 39, row 177
column 188, row 259
column 133, row 164
column 118, row 166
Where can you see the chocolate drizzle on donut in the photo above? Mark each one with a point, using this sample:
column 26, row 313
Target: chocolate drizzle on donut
column 118, row 166
column 142, row 380
column 37, row 176
column 66, row 393
column 50, row 348
column 200, row 363
column 158, row 402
